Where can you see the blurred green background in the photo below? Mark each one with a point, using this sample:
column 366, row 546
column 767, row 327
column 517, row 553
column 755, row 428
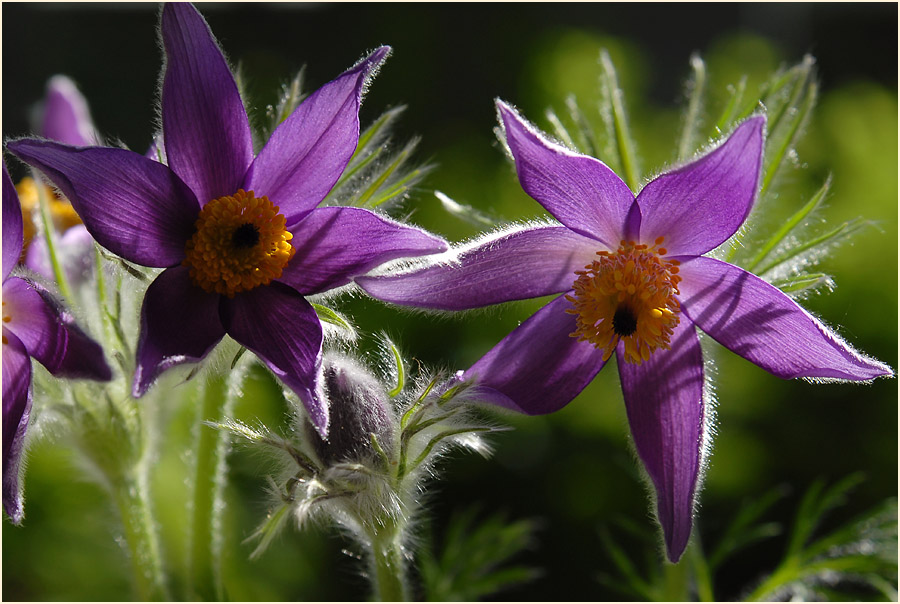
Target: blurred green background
column 573, row 471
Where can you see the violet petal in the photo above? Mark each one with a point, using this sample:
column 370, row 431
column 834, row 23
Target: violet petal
column 179, row 324
column 134, row 207
column 307, row 153
column 66, row 117
column 16, row 408
column 511, row 266
column 35, row 323
column 207, row 133
column 698, row 206
column 580, row 191
column 759, row 322
column 278, row 325
column 538, row 368
column 335, row 244
column 664, row 401
column 13, row 228
column 50, row 333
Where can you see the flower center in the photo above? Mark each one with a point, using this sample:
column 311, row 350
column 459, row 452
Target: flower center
column 239, row 243
column 627, row 295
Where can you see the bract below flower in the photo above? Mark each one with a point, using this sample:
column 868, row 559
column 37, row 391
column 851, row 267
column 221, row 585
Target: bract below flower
column 34, row 326
column 240, row 237
column 634, row 281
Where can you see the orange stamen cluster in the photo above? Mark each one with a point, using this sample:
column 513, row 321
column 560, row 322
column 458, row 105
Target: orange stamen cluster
column 240, row 242
column 627, row 296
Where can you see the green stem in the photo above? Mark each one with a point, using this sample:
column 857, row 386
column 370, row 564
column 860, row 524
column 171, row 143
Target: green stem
column 389, row 570
column 205, row 541
column 47, row 219
column 132, row 501
column 676, row 582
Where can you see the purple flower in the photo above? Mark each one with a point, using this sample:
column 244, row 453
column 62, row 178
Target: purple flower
column 634, row 281
column 34, row 325
column 240, row 237
column 62, row 116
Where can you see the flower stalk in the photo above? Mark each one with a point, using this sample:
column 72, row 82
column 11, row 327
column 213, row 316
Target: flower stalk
column 388, row 565
column 205, row 541
column 49, row 237
column 132, row 502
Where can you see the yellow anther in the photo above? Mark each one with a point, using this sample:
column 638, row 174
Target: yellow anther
column 240, row 242
column 627, row 296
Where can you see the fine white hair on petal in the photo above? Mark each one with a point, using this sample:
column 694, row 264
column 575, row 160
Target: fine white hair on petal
column 452, row 256
column 545, row 138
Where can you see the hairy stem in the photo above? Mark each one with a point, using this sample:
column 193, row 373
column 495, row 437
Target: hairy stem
column 388, row 567
column 132, row 501
column 205, row 541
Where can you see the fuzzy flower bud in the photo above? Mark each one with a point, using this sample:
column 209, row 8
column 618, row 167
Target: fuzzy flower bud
column 360, row 411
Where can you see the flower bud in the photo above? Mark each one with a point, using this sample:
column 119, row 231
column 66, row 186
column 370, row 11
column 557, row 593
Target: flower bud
column 359, row 408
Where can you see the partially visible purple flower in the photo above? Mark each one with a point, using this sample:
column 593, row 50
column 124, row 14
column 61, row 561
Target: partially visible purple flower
column 635, row 282
column 62, row 116
column 241, row 237
column 34, row 325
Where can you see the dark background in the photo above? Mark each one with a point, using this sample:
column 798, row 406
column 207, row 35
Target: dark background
column 574, row 471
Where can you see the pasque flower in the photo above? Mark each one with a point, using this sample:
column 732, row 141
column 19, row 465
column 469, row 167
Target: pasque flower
column 63, row 116
column 634, row 281
column 240, row 237
column 34, row 326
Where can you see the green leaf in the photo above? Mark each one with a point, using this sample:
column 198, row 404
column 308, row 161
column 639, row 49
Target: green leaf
column 617, row 122
column 816, row 503
column 790, row 225
column 586, row 142
column 401, row 374
column 443, row 436
column 330, row 316
column 474, row 560
column 560, row 130
column 633, row 584
column 863, row 551
column 464, row 212
column 736, row 93
column 802, row 282
column 269, row 529
column 743, row 530
column 696, row 86
column 846, row 229
column 381, row 178
column 370, row 146
column 786, row 123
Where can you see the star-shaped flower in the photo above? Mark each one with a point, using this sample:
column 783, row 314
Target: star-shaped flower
column 634, row 281
column 34, row 326
column 240, row 237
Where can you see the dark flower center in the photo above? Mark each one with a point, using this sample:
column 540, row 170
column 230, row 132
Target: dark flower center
column 246, row 235
column 624, row 322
